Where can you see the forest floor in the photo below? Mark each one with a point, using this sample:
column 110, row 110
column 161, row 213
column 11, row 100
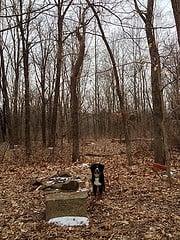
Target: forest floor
column 137, row 203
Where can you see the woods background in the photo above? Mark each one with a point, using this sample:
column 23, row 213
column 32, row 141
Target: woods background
column 90, row 69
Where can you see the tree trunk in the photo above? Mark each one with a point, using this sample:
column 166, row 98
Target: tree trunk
column 4, row 86
column 96, row 83
column 2, row 126
column 43, row 107
column 57, row 82
column 160, row 139
column 16, row 91
column 76, row 72
column 176, row 11
column 25, row 52
column 158, row 111
column 27, row 103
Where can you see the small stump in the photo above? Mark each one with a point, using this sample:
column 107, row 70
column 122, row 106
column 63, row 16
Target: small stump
column 60, row 204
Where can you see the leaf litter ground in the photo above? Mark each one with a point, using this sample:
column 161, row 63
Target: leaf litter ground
column 137, row 204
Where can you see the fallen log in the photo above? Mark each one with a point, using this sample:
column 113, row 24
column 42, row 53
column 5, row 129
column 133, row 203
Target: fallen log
column 102, row 155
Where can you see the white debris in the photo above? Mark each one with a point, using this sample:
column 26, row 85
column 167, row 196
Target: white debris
column 70, row 221
column 84, row 165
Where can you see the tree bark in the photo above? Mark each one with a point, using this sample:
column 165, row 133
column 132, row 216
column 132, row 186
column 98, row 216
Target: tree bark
column 160, row 139
column 43, row 106
column 25, row 51
column 2, row 125
column 76, row 72
column 7, row 114
column 176, row 11
column 16, row 89
column 57, row 82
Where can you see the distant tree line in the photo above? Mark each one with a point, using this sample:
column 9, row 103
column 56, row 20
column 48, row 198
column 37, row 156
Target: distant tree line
column 85, row 69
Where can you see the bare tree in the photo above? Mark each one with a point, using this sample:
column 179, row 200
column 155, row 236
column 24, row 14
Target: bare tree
column 160, row 139
column 74, row 83
column 61, row 15
column 17, row 61
column 24, row 33
column 6, row 114
column 118, row 88
column 41, row 59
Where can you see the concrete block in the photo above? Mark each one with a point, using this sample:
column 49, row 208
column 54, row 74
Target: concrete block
column 60, row 204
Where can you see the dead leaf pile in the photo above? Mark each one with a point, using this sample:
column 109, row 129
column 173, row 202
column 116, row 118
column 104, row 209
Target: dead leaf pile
column 137, row 204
